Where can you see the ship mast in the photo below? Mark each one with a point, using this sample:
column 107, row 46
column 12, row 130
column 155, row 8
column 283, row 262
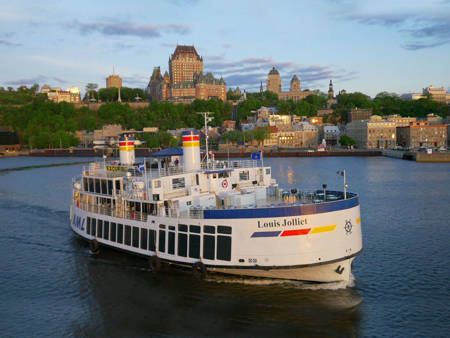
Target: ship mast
column 207, row 119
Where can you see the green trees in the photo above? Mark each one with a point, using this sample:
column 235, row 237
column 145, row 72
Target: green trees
column 346, row 141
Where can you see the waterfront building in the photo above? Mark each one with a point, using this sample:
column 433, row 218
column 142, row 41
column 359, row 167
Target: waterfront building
column 422, row 134
column 109, row 133
column 374, row 133
column 330, row 133
column 401, row 121
column 359, row 114
column 295, row 93
column 302, row 135
column 114, row 81
column 185, row 80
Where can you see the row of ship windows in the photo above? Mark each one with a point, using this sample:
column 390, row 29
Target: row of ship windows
column 215, row 246
column 100, row 186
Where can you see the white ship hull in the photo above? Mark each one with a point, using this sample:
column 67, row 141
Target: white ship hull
column 318, row 247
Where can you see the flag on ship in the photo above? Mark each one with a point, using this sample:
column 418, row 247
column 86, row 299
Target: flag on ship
column 141, row 167
column 256, row 156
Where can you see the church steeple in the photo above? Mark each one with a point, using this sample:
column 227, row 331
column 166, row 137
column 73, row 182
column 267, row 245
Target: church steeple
column 330, row 90
column 261, row 88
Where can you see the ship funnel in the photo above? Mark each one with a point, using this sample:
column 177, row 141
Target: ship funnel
column 126, row 147
column 191, row 150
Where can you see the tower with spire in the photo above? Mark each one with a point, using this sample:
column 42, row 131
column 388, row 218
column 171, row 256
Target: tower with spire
column 261, row 89
column 330, row 90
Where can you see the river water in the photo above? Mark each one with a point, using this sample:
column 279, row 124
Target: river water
column 52, row 286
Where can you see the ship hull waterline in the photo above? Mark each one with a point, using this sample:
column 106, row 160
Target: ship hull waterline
column 335, row 270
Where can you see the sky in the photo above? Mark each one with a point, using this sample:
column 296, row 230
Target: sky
column 366, row 46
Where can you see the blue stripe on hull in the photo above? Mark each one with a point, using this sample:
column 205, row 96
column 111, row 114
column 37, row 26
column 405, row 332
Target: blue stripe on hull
column 284, row 211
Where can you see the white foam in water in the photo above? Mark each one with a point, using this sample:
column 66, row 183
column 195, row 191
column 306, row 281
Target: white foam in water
column 282, row 282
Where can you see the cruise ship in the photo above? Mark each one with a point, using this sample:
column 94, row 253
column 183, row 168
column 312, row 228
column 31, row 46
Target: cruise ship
column 210, row 216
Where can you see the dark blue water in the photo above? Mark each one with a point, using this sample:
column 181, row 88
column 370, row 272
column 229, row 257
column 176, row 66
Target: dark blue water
column 50, row 285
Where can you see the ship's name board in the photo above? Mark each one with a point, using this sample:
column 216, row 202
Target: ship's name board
column 282, row 223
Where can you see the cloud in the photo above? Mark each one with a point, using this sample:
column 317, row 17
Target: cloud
column 249, row 72
column 424, row 24
column 9, row 43
column 40, row 79
column 129, row 29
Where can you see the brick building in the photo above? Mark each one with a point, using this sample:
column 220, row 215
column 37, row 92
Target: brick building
column 185, row 80
column 359, row 114
column 295, row 93
column 114, row 81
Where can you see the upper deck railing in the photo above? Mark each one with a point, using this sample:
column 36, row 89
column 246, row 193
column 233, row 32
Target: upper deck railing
column 100, row 168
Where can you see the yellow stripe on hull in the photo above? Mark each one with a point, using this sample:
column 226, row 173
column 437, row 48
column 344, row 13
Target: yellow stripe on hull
column 126, row 148
column 323, row 229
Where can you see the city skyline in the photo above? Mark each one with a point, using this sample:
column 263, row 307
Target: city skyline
column 361, row 46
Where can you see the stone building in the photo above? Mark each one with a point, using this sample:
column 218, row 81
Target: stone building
column 422, row 134
column 114, row 81
column 401, row 121
column 295, row 93
column 185, row 80
column 359, row 114
column 374, row 133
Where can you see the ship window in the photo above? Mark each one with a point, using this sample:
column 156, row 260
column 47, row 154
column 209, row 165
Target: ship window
column 196, row 179
column 113, row 232
column 151, row 240
column 156, row 197
column 178, row 183
column 209, row 243
column 110, row 187
column 127, row 235
column 194, row 228
column 144, row 239
column 117, row 186
column 162, row 241
column 94, row 227
column 97, row 186
column 182, row 244
column 91, row 184
column 106, row 230
column 104, row 187
column 171, row 227
column 194, row 246
column 224, row 248
column 182, row 227
column 85, row 184
column 156, row 184
column 224, row 174
column 88, row 226
column 162, row 226
column 171, row 243
column 120, row 233
column 209, row 229
column 100, row 228
column 243, row 175
column 224, row 230
column 268, row 171
column 136, row 237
